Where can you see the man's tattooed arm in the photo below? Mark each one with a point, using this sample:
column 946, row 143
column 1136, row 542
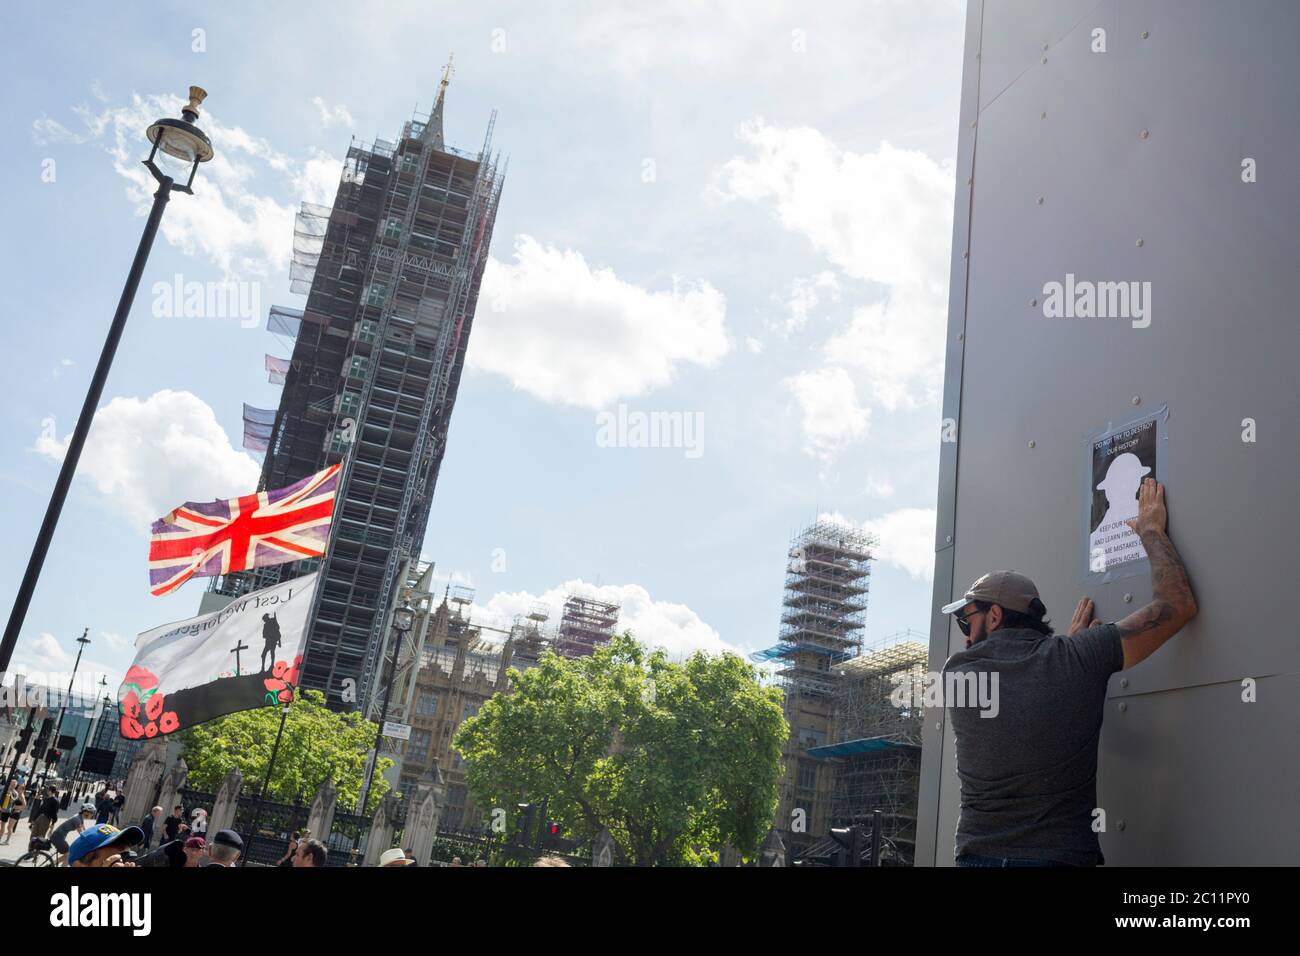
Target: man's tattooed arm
column 1172, row 602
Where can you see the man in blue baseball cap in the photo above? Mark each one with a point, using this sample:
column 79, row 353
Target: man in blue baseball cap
column 102, row 845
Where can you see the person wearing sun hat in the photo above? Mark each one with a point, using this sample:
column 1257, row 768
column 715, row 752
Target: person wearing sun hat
column 102, row 845
column 395, row 857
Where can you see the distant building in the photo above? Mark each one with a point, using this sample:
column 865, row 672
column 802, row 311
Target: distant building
column 79, row 719
column 872, row 760
column 851, row 749
column 457, row 666
column 823, row 614
column 105, row 736
column 585, row 625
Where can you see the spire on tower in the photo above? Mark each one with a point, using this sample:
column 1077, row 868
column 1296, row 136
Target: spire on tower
column 433, row 132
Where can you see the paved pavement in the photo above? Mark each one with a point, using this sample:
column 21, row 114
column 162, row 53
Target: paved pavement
column 17, row 844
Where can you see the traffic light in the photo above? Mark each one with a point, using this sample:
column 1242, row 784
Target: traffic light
column 24, row 738
column 43, row 738
column 851, row 840
column 53, row 756
column 553, row 838
column 524, row 823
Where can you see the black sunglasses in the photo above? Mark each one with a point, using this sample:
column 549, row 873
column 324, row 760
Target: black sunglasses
column 963, row 620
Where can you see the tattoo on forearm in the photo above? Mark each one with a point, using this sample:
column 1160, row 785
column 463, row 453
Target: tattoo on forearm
column 1170, row 588
column 1153, row 615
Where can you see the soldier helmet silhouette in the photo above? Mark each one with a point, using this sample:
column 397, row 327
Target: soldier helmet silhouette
column 1123, row 477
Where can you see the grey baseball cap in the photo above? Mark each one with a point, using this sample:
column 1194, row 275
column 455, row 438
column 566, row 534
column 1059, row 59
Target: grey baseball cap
column 1008, row 589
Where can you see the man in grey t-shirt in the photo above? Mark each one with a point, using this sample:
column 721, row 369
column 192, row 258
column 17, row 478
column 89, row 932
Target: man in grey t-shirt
column 1028, row 720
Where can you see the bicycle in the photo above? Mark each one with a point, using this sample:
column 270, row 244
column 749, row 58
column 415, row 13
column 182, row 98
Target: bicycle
column 40, row 853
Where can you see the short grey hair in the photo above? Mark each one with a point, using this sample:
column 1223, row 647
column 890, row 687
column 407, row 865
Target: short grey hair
column 220, row 853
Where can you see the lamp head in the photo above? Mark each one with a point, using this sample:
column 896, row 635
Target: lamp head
column 180, row 138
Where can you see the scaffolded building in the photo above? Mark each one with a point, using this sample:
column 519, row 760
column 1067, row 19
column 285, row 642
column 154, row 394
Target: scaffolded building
column 391, row 273
column 873, row 758
column 585, row 625
column 824, row 612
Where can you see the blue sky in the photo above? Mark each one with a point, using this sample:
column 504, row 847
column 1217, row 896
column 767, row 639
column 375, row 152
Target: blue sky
column 739, row 212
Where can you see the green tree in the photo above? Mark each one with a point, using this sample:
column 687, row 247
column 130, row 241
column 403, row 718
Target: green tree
column 317, row 743
column 675, row 759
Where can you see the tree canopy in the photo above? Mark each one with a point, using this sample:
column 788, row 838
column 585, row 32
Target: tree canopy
column 675, row 759
column 318, row 743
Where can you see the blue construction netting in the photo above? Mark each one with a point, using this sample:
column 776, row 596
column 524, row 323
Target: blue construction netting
column 850, row 747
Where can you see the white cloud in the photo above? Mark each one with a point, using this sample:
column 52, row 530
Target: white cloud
column 898, row 345
column 44, row 662
column 232, row 219
column 754, row 345
column 46, row 131
column 332, row 115
column 832, row 415
column 674, row 627
column 116, row 641
column 879, row 488
column 806, row 295
column 150, row 455
column 883, row 217
column 569, row 333
column 905, row 536
column 317, row 179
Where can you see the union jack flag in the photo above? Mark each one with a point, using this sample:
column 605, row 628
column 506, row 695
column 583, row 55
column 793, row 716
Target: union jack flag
column 209, row 538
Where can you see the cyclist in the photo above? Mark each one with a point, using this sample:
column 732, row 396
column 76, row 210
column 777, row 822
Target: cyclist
column 63, row 833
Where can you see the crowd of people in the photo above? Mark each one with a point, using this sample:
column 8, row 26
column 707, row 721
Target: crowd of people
column 104, row 845
column 94, row 836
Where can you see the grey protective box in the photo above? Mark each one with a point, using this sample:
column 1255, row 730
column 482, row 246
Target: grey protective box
column 1132, row 165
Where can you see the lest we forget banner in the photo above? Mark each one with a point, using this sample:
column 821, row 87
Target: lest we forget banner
column 246, row 655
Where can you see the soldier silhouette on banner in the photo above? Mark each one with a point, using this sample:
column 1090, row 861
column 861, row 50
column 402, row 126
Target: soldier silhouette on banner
column 271, row 639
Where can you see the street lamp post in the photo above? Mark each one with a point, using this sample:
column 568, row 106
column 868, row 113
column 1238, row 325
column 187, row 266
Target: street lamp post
column 63, row 707
column 182, row 140
column 94, row 725
column 403, row 620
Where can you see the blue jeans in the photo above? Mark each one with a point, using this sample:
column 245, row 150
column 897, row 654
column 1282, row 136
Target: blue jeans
column 975, row 859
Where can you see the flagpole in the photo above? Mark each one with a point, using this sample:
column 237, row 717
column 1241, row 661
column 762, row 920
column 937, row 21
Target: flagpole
column 266, row 780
